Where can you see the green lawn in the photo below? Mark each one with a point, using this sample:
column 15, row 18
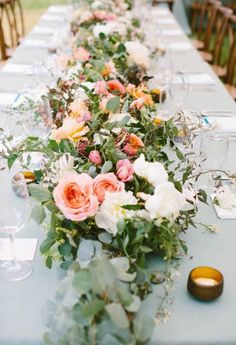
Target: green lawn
column 41, row 4
column 33, row 9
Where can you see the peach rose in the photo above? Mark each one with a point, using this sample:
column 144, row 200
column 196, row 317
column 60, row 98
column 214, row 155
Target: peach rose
column 134, row 143
column 81, row 54
column 115, row 85
column 101, row 88
column 75, row 198
column 103, row 15
column 104, row 183
column 71, row 129
column 125, row 170
column 78, row 108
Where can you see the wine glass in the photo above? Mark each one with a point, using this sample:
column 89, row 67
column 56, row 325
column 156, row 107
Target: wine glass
column 179, row 90
column 15, row 213
column 214, row 150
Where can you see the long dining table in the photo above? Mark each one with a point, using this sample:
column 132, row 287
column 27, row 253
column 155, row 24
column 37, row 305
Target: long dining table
column 192, row 322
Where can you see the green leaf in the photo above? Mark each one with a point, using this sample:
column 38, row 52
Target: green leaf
column 132, row 207
column 39, row 193
column 145, row 249
column 105, row 237
column 65, row 249
column 143, row 326
column 121, row 48
column 93, row 307
column 86, row 250
column 107, row 166
column 11, row 160
column 38, row 214
column 113, row 104
column 82, row 282
column 117, row 315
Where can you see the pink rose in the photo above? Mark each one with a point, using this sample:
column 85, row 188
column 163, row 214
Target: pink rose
column 103, row 15
column 115, row 85
column 134, row 143
column 101, row 88
column 104, row 183
column 137, row 104
column 125, row 170
column 95, row 157
column 81, row 54
column 75, row 198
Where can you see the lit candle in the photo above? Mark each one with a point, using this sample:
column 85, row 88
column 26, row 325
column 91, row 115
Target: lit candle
column 206, row 281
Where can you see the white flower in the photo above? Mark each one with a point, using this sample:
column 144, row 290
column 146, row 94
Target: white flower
column 154, row 172
column 109, row 28
column 111, row 211
column 166, row 202
column 138, row 53
column 225, row 198
column 59, row 168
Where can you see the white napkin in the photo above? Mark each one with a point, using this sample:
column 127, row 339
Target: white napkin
column 161, row 12
column 180, row 46
column 51, row 17
column 197, row 79
column 170, row 32
column 223, row 213
column 34, row 43
column 15, row 68
column 166, row 20
column 25, row 249
column 43, row 30
column 221, row 124
column 7, row 98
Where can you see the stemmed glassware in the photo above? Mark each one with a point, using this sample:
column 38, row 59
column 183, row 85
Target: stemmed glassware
column 214, row 150
column 15, row 213
column 179, row 90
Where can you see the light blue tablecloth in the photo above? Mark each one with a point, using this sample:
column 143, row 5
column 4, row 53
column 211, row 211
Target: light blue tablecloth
column 192, row 322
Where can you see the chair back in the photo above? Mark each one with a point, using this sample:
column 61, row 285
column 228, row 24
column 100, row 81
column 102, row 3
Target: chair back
column 231, row 65
column 222, row 26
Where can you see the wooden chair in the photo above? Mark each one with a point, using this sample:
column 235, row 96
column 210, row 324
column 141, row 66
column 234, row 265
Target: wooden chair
column 12, row 23
column 215, row 36
column 231, row 65
column 170, row 3
column 198, row 14
column 3, row 53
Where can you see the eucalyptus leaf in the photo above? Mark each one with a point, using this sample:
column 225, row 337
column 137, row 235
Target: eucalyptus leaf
column 39, row 193
column 117, row 315
column 113, row 104
column 105, row 237
column 86, row 250
column 143, row 326
column 107, row 166
column 38, row 214
column 82, row 282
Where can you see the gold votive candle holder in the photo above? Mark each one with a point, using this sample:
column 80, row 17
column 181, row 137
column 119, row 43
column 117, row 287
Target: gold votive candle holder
column 205, row 283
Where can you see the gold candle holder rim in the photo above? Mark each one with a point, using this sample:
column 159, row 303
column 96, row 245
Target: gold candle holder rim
column 201, row 268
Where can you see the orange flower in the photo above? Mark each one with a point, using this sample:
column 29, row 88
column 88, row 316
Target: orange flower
column 108, row 69
column 115, row 85
column 134, row 143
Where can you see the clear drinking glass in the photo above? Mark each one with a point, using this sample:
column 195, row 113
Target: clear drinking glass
column 14, row 215
column 214, row 151
column 179, row 90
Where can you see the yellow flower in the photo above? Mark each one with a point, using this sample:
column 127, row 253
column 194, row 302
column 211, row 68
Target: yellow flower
column 157, row 121
column 71, row 129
